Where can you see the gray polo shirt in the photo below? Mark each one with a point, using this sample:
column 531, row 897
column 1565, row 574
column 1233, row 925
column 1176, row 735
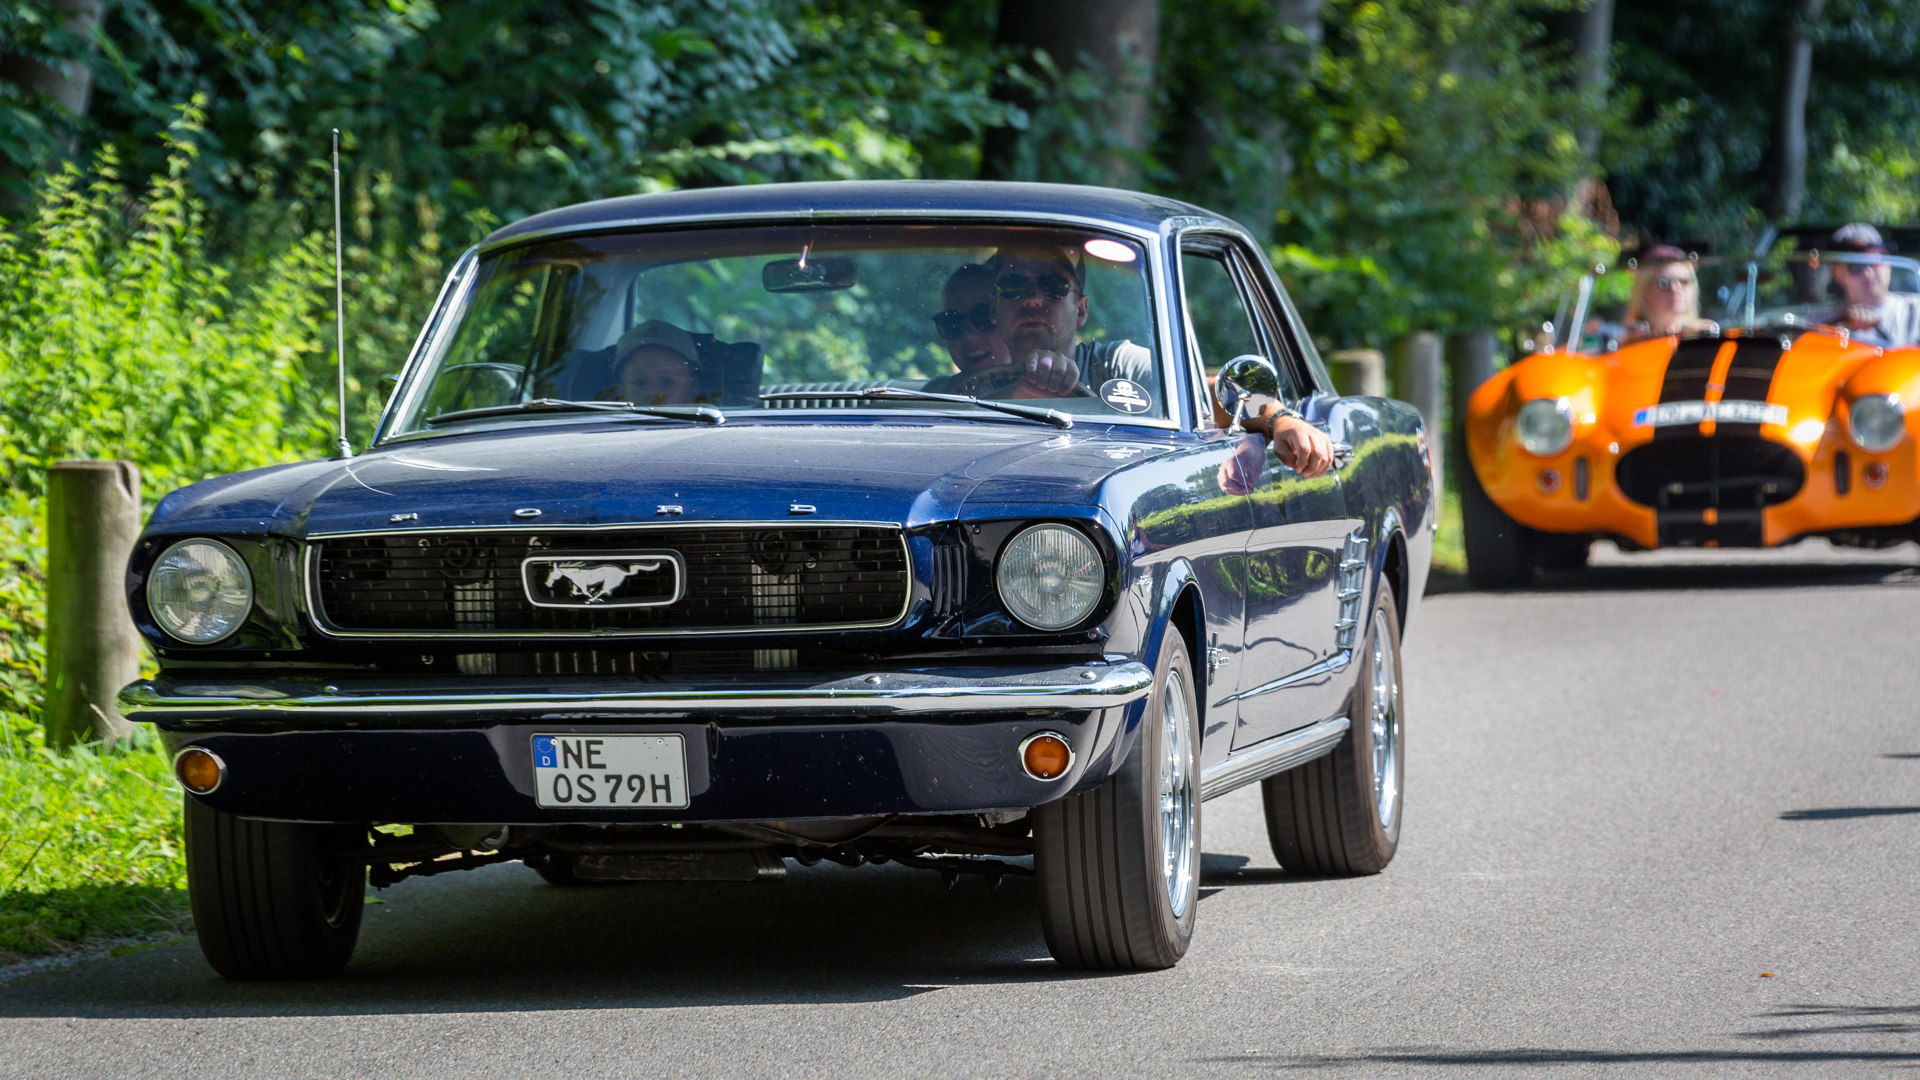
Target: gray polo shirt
column 1899, row 324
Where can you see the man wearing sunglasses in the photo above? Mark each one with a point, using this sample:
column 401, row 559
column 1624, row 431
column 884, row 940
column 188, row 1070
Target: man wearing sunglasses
column 1872, row 313
column 970, row 328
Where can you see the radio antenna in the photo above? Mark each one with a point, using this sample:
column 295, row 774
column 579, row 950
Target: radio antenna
column 339, row 305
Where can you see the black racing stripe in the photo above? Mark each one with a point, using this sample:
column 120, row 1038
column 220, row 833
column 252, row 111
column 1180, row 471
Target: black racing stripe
column 1686, row 380
column 1751, row 376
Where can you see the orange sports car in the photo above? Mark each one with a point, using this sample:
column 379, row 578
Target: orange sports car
column 1765, row 421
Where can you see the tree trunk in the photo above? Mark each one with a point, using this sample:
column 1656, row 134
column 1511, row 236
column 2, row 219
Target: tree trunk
column 1790, row 111
column 1119, row 38
column 1588, row 33
column 68, row 85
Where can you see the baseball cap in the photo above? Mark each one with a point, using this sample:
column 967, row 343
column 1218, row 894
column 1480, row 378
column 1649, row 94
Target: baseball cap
column 662, row 333
column 1859, row 236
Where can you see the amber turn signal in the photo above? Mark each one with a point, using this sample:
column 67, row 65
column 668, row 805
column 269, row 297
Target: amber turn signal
column 1046, row 756
column 199, row 770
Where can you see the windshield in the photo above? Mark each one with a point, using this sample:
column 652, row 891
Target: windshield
column 1801, row 288
column 742, row 319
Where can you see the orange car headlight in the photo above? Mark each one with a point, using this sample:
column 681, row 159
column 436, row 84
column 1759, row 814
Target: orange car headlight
column 1544, row 426
column 1876, row 422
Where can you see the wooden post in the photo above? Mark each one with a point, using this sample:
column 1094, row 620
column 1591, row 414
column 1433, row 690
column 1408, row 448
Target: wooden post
column 1358, row 372
column 1472, row 358
column 93, row 519
column 1417, row 381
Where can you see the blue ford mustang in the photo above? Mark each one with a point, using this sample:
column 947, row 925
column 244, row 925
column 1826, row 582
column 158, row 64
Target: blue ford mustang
column 860, row 521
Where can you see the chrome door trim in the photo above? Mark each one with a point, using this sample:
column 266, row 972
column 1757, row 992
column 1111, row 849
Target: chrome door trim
column 1274, row 756
column 1337, row 662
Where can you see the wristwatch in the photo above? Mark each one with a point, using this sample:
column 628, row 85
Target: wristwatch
column 1267, row 421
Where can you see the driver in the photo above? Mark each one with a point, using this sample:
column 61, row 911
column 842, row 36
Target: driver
column 973, row 339
column 1872, row 314
column 1038, row 306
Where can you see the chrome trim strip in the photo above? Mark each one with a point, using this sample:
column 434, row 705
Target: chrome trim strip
column 1337, row 662
column 809, row 217
column 310, row 572
column 1147, row 238
column 1272, row 757
column 888, row 693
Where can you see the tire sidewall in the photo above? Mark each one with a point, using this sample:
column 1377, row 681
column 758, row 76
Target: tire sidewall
column 1140, row 780
column 1358, row 748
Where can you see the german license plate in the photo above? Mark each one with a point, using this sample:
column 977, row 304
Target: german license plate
column 645, row 771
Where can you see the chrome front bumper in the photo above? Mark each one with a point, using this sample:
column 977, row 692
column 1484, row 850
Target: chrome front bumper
column 185, row 700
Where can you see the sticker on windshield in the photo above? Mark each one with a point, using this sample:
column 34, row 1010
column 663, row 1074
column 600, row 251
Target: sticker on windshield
column 1126, row 396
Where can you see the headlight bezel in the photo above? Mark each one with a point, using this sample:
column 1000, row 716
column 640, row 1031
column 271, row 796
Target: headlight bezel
column 1092, row 601
column 170, row 623
column 1561, row 410
column 1873, row 404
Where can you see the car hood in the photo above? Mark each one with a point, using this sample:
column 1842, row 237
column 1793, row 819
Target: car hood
column 906, row 472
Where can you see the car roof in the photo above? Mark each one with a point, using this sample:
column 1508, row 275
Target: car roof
column 856, row 197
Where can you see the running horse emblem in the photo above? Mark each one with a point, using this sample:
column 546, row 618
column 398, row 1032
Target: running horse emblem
column 596, row 582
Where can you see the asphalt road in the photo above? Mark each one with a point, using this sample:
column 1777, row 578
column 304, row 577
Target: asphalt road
column 1629, row 795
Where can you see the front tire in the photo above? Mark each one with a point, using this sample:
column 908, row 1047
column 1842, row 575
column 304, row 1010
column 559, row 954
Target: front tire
column 1340, row 814
column 1118, row 867
column 1501, row 552
column 273, row 899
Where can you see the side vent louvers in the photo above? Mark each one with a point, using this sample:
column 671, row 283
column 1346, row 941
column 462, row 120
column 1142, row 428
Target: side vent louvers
column 1353, row 576
column 949, row 585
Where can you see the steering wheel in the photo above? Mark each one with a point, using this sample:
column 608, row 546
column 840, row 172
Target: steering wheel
column 990, row 380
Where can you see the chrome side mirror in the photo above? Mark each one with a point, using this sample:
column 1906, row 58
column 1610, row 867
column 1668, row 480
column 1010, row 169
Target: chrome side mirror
column 1246, row 385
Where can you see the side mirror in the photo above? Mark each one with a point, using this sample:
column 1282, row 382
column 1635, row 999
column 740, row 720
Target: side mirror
column 822, row 273
column 1247, row 385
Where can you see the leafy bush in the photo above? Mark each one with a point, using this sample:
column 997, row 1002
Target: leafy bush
column 121, row 337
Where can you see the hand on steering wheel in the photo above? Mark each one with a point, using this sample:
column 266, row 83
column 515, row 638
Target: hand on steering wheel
column 1044, row 379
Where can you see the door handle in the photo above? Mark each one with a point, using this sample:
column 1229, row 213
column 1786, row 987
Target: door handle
column 1342, row 453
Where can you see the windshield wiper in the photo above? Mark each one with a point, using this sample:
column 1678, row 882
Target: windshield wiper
column 900, row 393
column 706, row 414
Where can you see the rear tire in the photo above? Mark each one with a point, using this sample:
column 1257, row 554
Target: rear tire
column 273, row 899
column 1118, row 867
column 1501, row 552
column 1340, row 814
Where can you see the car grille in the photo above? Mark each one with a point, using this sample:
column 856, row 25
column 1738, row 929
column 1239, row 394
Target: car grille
column 1710, row 489
column 736, row 579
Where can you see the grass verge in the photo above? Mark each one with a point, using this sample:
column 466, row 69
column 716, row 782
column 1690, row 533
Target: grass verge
column 90, row 847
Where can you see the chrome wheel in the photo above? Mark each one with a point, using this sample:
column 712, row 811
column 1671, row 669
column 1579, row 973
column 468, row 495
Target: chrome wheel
column 1384, row 716
column 1176, row 794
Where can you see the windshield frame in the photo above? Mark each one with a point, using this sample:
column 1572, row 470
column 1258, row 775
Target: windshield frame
column 464, row 278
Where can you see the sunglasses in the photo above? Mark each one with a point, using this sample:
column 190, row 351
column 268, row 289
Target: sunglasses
column 1020, row 286
column 1668, row 284
column 955, row 324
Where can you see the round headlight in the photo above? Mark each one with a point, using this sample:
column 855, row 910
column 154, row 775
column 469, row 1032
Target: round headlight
column 199, row 591
column 1876, row 422
column 1544, row 426
column 1051, row 577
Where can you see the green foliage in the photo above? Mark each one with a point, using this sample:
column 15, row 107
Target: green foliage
column 1714, row 65
column 1436, row 186
column 120, row 336
column 90, row 847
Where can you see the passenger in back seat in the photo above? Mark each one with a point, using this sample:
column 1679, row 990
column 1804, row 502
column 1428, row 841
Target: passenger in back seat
column 657, row 363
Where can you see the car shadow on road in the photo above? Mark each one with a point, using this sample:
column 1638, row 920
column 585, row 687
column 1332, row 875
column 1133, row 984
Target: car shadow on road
column 500, row 939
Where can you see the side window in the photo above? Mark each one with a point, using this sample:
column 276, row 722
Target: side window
column 1221, row 326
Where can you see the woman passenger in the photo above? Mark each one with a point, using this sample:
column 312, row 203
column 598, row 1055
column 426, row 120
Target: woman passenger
column 1666, row 297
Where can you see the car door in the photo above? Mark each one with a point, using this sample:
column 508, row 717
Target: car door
column 1289, row 595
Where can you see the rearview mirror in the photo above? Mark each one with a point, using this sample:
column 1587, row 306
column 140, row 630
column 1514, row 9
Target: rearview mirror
column 1247, row 385
column 821, row 273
